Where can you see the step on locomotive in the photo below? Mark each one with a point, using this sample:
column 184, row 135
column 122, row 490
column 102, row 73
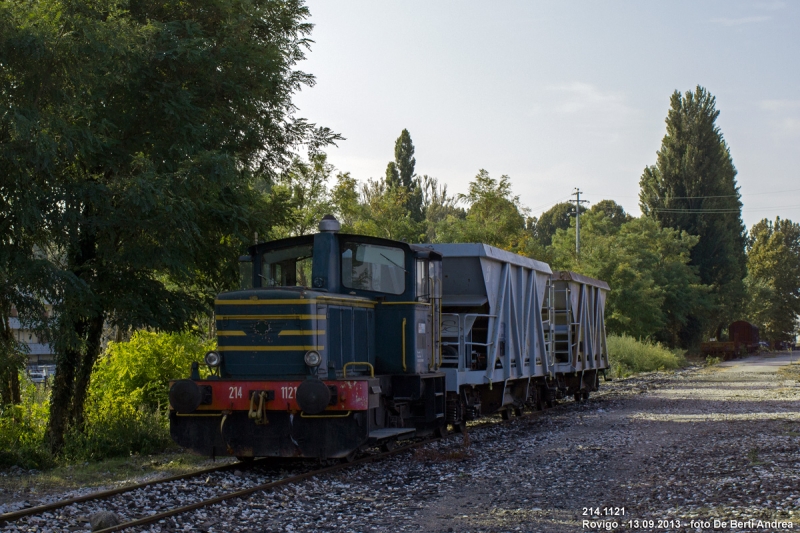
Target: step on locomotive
column 339, row 342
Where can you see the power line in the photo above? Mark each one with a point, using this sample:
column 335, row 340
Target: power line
column 550, row 204
column 703, row 197
column 720, row 210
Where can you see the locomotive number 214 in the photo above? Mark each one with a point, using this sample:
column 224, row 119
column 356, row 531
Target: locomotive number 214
column 235, row 392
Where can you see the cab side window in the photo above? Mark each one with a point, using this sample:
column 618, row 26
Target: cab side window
column 423, row 293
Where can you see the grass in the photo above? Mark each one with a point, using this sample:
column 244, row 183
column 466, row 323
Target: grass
column 630, row 356
column 791, row 371
column 109, row 472
column 752, row 456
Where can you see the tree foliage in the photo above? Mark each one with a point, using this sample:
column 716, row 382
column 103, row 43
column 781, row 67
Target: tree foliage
column 692, row 188
column 136, row 135
column 653, row 289
column 555, row 218
column 400, row 173
column 494, row 215
column 302, row 191
column 773, row 282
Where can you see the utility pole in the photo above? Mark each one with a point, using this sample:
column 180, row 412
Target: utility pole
column 578, row 203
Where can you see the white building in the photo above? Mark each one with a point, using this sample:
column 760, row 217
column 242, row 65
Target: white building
column 39, row 351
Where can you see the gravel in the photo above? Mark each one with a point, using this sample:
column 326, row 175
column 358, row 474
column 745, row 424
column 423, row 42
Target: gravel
column 676, row 451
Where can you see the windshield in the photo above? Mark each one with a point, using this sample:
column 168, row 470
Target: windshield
column 371, row 267
column 287, row 267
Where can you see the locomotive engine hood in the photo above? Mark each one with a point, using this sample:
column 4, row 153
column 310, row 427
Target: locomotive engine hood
column 268, row 332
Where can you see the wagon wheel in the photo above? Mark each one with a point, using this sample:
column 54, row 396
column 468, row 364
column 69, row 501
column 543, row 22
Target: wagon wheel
column 389, row 445
column 506, row 413
column 518, row 411
column 460, row 427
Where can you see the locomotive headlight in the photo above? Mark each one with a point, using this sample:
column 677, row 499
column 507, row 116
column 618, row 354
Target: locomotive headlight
column 213, row 358
column 312, row 358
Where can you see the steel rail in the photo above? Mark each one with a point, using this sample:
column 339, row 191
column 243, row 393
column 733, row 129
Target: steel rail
column 16, row 515
column 266, row 486
column 300, row 477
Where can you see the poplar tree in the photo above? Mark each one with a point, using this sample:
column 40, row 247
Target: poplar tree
column 400, row 172
column 692, row 187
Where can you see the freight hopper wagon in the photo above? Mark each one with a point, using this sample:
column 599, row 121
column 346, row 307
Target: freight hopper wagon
column 515, row 334
column 337, row 342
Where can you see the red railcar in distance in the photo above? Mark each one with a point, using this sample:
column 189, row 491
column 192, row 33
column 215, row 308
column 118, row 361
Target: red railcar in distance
column 744, row 334
column 742, row 337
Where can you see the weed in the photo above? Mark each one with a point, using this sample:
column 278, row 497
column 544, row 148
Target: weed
column 629, row 356
column 752, row 456
column 712, row 361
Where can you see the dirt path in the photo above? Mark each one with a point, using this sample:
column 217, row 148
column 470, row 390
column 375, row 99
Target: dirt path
column 675, row 452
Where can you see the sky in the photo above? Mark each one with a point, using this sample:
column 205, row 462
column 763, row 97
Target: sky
column 556, row 95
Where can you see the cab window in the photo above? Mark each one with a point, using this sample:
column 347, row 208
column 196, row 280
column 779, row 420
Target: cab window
column 423, row 281
column 371, row 267
column 287, row 267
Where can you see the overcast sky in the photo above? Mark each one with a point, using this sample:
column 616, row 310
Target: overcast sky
column 557, row 95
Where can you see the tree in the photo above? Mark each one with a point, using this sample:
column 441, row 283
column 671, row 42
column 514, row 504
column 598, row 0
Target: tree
column 437, row 206
column 345, row 201
column 555, row 218
column 773, row 264
column 302, row 189
column 612, row 211
column 385, row 213
column 653, row 289
column 400, row 173
column 494, row 216
column 138, row 136
column 692, row 188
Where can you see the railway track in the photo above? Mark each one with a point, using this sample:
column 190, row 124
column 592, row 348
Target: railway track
column 275, row 475
column 274, row 478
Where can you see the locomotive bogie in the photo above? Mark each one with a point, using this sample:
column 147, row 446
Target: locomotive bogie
column 283, row 434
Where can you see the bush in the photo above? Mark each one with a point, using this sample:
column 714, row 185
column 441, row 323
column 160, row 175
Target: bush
column 23, row 426
column 119, row 432
column 629, row 356
column 127, row 405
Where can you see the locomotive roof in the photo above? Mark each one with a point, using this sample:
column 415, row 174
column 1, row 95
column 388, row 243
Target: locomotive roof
column 485, row 250
column 419, row 250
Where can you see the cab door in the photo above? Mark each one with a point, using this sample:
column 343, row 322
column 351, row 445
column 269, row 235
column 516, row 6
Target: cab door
column 429, row 292
column 435, row 275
